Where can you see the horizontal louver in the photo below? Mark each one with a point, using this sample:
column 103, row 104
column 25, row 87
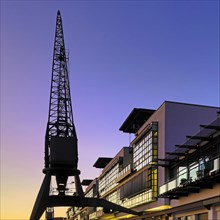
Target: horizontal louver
column 134, row 186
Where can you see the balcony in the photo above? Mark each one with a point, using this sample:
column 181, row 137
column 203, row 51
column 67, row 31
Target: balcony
column 191, row 180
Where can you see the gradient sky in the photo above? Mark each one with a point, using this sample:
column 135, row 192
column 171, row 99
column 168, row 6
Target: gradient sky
column 123, row 54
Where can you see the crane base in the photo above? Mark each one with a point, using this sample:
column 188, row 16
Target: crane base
column 45, row 200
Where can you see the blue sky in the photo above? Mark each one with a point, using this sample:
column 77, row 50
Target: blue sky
column 123, row 54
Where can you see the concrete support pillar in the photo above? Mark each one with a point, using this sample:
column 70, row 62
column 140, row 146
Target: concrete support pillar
column 217, row 212
column 193, row 217
column 211, row 213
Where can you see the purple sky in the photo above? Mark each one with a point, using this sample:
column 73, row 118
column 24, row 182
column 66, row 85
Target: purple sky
column 123, row 54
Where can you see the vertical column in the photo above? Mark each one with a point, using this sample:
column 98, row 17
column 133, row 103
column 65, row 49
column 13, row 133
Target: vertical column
column 211, row 213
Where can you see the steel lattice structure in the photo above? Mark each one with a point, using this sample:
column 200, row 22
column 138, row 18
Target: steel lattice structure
column 61, row 150
column 60, row 118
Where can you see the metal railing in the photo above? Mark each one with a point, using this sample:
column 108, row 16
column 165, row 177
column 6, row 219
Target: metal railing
column 191, row 174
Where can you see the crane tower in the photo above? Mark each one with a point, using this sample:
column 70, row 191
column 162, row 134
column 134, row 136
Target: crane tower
column 61, row 150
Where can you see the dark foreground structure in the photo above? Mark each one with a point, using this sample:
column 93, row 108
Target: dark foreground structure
column 170, row 171
column 61, row 150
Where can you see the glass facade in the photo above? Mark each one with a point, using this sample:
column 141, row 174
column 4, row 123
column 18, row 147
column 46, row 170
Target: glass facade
column 191, row 170
column 189, row 217
column 114, row 197
column 134, row 183
column 141, row 188
column 202, row 216
column 90, row 193
column 108, row 181
column 138, row 199
column 145, row 150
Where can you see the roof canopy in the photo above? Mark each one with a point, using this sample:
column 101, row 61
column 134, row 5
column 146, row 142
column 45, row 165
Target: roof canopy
column 86, row 182
column 102, row 162
column 136, row 119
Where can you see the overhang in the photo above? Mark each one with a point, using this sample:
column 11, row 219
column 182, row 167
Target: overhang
column 101, row 162
column 136, row 119
column 86, row 182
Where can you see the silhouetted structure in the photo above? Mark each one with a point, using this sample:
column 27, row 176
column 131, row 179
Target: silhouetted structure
column 61, row 154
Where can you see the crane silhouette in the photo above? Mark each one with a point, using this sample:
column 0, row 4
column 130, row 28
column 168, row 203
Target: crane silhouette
column 61, row 150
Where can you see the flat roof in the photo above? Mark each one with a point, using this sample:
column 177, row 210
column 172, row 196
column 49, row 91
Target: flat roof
column 136, row 119
column 101, row 162
column 86, row 182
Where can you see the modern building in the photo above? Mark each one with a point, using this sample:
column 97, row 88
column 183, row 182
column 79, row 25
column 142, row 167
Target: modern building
column 170, row 171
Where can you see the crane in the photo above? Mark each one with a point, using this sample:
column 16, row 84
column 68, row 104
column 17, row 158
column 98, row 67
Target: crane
column 61, row 144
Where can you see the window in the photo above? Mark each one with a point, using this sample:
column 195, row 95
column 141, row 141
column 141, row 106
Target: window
column 146, row 149
column 202, row 216
column 190, row 217
column 108, row 181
